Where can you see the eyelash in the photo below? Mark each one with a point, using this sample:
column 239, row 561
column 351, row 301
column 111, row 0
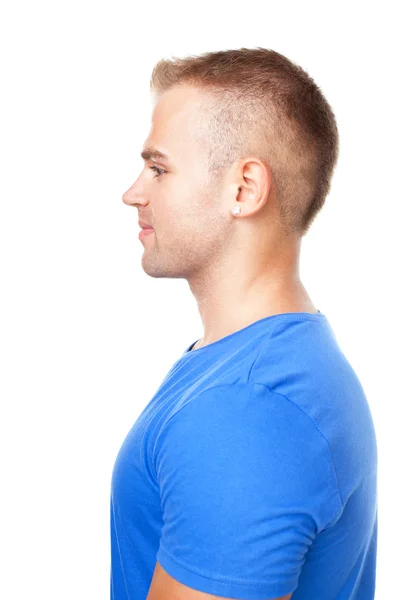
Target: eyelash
column 158, row 171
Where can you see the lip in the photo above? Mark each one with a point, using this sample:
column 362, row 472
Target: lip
column 144, row 225
column 145, row 232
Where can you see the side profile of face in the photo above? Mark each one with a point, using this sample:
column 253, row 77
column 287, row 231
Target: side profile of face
column 191, row 221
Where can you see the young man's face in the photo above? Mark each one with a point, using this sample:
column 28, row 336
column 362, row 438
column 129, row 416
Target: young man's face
column 191, row 225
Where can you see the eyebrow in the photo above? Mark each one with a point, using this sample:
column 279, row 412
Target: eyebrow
column 150, row 153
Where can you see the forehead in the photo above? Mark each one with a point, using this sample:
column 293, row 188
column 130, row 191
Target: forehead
column 175, row 126
column 177, row 103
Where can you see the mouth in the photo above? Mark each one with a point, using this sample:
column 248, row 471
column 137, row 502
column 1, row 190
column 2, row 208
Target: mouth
column 145, row 232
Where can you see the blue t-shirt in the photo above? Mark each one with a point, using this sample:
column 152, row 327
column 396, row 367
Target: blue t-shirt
column 252, row 472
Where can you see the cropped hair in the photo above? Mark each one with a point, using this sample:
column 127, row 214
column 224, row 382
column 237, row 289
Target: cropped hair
column 256, row 102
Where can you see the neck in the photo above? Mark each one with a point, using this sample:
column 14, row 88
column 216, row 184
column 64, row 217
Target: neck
column 228, row 304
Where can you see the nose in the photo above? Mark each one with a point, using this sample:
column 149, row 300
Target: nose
column 129, row 196
column 132, row 196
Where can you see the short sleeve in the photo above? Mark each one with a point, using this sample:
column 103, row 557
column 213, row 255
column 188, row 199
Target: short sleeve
column 246, row 483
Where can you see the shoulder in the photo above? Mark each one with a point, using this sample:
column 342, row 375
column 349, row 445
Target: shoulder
column 248, row 433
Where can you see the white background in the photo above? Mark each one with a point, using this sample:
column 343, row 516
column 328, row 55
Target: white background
column 86, row 335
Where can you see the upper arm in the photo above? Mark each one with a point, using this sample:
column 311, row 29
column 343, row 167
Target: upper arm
column 165, row 587
column 246, row 482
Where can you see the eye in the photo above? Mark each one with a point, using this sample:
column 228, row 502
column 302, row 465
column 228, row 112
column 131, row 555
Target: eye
column 159, row 171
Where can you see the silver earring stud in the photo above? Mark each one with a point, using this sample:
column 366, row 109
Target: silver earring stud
column 236, row 210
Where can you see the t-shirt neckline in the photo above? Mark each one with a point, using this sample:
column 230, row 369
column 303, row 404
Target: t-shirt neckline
column 285, row 316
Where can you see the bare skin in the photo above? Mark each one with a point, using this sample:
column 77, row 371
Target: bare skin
column 240, row 268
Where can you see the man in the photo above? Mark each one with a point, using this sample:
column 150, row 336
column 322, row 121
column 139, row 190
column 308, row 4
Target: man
column 252, row 471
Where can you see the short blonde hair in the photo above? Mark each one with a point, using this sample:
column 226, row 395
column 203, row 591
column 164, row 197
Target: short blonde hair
column 257, row 102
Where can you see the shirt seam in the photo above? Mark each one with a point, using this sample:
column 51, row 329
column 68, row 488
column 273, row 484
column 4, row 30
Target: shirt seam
column 229, row 581
column 252, row 384
column 316, row 427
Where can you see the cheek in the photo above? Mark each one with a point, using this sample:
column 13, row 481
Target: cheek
column 175, row 201
column 185, row 204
